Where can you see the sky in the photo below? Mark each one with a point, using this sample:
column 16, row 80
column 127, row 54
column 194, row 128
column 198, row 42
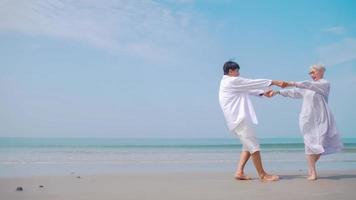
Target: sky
column 152, row 69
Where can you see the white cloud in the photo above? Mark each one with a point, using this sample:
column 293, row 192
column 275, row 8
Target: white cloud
column 337, row 53
column 338, row 30
column 144, row 28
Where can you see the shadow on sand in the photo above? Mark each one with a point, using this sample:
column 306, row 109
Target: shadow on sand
column 291, row 177
column 338, row 177
column 323, row 177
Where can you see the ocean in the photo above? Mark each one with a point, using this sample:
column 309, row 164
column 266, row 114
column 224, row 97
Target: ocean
column 60, row 156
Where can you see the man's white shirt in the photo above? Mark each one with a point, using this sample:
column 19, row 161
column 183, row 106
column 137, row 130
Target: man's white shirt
column 234, row 98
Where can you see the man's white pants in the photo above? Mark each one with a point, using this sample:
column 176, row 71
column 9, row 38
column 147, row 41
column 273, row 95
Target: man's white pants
column 247, row 137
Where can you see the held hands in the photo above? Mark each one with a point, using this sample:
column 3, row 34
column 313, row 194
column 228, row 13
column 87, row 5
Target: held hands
column 282, row 84
column 270, row 93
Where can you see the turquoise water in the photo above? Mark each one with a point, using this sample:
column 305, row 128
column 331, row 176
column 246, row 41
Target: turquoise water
column 43, row 156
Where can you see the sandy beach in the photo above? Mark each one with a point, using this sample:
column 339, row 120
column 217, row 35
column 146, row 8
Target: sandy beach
column 179, row 185
column 88, row 169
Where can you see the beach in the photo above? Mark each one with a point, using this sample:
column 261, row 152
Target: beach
column 62, row 168
column 179, row 185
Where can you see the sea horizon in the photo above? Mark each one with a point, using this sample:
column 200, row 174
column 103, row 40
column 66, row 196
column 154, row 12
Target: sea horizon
column 21, row 156
column 150, row 142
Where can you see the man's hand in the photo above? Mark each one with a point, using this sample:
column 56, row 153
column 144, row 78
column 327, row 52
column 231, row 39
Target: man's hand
column 268, row 93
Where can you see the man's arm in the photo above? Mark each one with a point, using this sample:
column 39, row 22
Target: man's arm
column 245, row 84
column 241, row 84
column 256, row 92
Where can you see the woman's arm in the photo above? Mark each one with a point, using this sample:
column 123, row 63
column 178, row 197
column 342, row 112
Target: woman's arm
column 294, row 93
column 317, row 86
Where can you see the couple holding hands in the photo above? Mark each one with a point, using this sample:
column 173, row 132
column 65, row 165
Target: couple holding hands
column 316, row 121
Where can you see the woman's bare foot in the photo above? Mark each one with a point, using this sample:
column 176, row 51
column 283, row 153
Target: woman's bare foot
column 269, row 177
column 312, row 175
column 312, row 178
column 242, row 177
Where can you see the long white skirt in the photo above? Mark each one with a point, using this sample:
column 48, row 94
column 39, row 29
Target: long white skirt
column 324, row 144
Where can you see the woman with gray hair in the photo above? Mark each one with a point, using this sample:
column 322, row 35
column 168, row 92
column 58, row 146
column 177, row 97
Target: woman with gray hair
column 316, row 121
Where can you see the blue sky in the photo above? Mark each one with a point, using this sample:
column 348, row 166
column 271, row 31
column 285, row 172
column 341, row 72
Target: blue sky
column 152, row 68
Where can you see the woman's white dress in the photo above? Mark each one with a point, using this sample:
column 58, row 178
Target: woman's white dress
column 316, row 121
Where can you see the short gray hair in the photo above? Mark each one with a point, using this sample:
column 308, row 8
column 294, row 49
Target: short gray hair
column 318, row 67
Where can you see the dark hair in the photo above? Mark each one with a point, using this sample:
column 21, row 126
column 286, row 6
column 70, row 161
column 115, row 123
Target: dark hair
column 230, row 65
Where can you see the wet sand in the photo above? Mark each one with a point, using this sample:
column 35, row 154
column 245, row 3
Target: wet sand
column 178, row 185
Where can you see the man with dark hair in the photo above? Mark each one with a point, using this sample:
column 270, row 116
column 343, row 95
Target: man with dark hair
column 240, row 115
column 230, row 65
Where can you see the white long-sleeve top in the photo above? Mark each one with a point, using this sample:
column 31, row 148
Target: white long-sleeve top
column 234, row 98
column 316, row 121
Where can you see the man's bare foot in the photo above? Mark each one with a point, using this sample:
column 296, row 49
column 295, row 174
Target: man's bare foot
column 269, row 177
column 242, row 177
